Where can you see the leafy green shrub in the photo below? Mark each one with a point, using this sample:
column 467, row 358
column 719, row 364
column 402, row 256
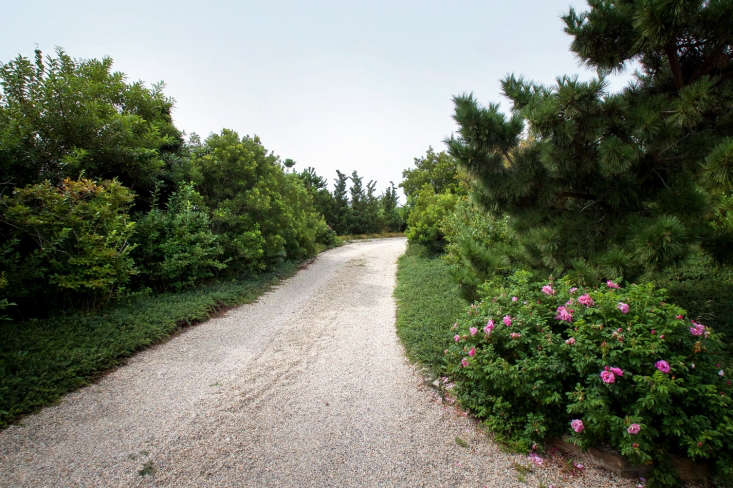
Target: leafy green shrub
column 66, row 244
column 263, row 215
column 611, row 366
column 426, row 217
column 325, row 234
column 480, row 246
column 176, row 247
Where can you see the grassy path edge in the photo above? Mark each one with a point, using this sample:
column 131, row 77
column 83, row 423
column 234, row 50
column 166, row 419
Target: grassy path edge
column 42, row 360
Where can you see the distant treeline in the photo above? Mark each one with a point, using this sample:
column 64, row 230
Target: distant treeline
column 101, row 195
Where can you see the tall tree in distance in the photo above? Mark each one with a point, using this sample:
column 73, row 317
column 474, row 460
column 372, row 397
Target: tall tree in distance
column 391, row 219
column 341, row 208
column 358, row 204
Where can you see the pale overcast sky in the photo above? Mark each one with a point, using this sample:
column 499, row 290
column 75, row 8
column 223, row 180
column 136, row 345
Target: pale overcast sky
column 334, row 85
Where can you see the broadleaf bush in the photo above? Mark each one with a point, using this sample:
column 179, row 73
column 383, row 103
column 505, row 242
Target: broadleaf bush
column 610, row 366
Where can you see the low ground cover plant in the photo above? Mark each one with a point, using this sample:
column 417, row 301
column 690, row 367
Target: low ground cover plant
column 610, row 366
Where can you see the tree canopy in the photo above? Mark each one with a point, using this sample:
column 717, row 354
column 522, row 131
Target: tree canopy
column 632, row 182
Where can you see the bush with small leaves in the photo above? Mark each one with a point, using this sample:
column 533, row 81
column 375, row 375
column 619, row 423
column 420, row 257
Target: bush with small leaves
column 609, row 365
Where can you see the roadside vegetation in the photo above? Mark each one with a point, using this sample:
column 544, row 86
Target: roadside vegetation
column 593, row 234
column 427, row 299
column 42, row 359
column 116, row 229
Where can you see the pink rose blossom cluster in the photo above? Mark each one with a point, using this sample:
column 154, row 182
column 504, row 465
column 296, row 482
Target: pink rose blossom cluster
column 507, row 320
column 514, row 299
column 570, row 341
column 548, row 290
column 489, row 327
column 573, row 290
column 564, row 314
column 472, row 352
column 586, row 300
column 613, row 285
column 473, row 331
column 464, row 362
column 608, row 375
column 456, row 338
column 624, row 307
column 633, row 429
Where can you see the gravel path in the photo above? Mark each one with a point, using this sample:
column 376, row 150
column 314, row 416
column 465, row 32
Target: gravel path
column 307, row 387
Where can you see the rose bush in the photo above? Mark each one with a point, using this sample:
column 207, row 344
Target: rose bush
column 610, row 366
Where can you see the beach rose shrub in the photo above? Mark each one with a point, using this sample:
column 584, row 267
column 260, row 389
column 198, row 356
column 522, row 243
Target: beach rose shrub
column 642, row 378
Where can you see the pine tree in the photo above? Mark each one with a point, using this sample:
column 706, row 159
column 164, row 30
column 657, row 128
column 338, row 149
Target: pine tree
column 391, row 220
column 358, row 217
column 611, row 185
column 341, row 208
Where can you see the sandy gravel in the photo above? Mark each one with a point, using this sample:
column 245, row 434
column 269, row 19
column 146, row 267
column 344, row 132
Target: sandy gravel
column 307, row 387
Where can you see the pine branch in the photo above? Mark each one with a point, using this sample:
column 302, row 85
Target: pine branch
column 674, row 63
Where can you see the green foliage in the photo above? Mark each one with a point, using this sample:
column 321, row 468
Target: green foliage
column 480, row 246
column 262, row 214
column 528, row 380
column 61, row 117
column 340, row 214
column 425, row 221
column 391, row 218
column 632, row 184
column 427, row 299
column 176, row 247
column 68, row 244
column 439, row 171
column 432, row 189
column 40, row 360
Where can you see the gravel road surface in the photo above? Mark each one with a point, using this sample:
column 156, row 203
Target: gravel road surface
column 308, row 387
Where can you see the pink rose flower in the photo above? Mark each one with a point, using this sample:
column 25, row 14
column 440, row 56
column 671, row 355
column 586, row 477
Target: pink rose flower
column 514, row 299
column 507, row 320
column 573, row 290
column 577, row 425
column 608, row 376
column 563, row 314
column 515, row 335
column 547, row 290
column 472, row 352
column 662, row 366
column 489, row 327
column 633, row 429
column 679, row 317
column 456, row 338
column 611, row 284
column 624, row 307
column 617, row 371
column 586, row 300
column 570, row 341
column 697, row 329
column 473, row 331
column 464, row 362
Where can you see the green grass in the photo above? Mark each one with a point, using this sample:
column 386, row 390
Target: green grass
column 41, row 360
column 428, row 302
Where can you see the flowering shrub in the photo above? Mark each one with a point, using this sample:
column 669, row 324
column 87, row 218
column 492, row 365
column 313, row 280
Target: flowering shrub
column 612, row 365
